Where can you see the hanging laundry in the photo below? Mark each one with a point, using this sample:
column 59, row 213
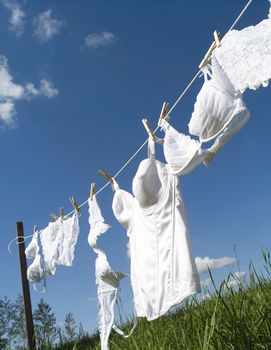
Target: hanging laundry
column 57, row 240
column 107, row 280
column 163, row 270
column 50, row 238
column 68, row 236
column 219, row 111
column 35, row 271
column 182, row 153
column 245, row 56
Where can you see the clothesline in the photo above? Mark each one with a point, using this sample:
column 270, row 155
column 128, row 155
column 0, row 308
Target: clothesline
column 143, row 145
column 168, row 113
column 155, row 130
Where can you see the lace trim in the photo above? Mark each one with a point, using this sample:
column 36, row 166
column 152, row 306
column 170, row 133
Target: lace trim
column 245, row 56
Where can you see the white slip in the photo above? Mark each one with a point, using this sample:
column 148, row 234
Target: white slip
column 163, row 270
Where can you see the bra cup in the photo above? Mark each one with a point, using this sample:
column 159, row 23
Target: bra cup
column 122, row 206
column 148, row 182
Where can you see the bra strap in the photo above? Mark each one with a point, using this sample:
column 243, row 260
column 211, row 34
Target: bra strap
column 115, row 185
column 124, row 335
column 151, row 149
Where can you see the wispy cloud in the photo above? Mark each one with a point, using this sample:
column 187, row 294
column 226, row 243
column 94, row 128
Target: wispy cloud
column 93, row 299
column 16, row 20
column 46, row 89
column 97, row 40
column 45, row 27
column 204, row 263
column 11, row 92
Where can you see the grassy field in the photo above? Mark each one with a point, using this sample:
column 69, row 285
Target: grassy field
column 238, row 319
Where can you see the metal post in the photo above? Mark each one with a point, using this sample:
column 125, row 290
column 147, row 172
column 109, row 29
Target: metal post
column 25, row 287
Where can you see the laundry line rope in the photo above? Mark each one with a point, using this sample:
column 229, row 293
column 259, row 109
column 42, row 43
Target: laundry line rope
column 155, row 130
column 168, row 113
column 143, row 145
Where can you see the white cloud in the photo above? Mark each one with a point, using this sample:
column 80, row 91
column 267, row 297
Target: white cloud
column 96, row 40
column 7, row 111
column 31, row 91
column 47, row 88
column 204, row 263
column 11, row 92
column 16, row 20
column 238, row 278
column 206, row 296
column 8, row 90
column 232, row 283
column 45, row 27
column 240, row 274
column 205, row 283
column 93, row 299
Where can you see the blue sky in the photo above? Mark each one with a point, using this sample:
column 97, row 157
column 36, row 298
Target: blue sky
column 77, row 77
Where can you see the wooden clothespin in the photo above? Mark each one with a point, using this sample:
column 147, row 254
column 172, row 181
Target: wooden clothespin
column 35, row 228
column 54, row 216
column 214, row 45
column 148, row 128
column 217, row 37
column 62, row 214
column 104, row 174
column 74, row 204
column 92, row 190
column 164, row 113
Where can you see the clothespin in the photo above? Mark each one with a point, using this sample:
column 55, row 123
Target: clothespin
column 62, row 214
column 217, row 37
column 74, row 204
column 54, row 216
column 148, row 128
column 92, row 190
column 214, row 45
column 164, row 113
column 108, row 177
column 35, row 228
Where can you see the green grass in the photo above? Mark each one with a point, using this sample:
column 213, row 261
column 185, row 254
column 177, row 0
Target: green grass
column 237, row 319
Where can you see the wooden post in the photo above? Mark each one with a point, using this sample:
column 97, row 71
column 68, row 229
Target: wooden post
column 25, row 287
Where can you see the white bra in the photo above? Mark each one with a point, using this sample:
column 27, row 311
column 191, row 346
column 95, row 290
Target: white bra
column 217, row 105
